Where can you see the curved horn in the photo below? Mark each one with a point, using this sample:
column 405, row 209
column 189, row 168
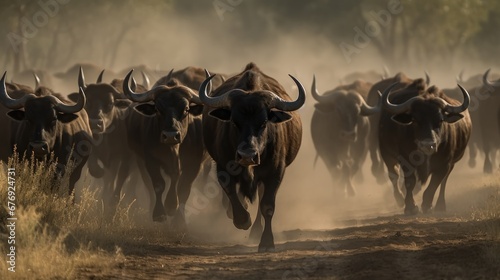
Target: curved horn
column 70, row 109
column 9, row 102
column 393, row 108
column 136, row 97
column 284, row 105
column 367, row 110
column 145, row 80
column 462, row 107
column 427, row 78
column 169, row 75
column 215, row 102
column 99, row 79
column 322, row 98
column 486, row 82
column 37, row 80
column 81, row 79
column 314, row 91
column 195, row 99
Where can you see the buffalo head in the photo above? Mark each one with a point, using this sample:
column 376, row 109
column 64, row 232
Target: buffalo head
column 173, row 105
column 43, row 117
column 426, row 113
column 343, row 109
column 250, row 114
column 103, row 101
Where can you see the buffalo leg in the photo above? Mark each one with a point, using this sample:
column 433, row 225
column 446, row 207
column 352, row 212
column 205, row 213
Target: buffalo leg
column 256, row 231
column 472, row 155
column 184, row 190
column 346, row 179
column 394, row 177
column 441, row 204
column 158, row 182
column 410, row 181
column 267, row 207
column 172, row 199
column 487, row 168
column 241, row 217
column 436, row 179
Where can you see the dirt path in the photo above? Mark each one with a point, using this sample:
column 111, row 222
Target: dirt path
column 394, row 247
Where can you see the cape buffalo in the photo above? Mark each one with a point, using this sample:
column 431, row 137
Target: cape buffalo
column 164, row 132
column 339, row 129
column 422, row 132
column 373, row 98
column 107, row 107
column 251, row 130
column 49, row 125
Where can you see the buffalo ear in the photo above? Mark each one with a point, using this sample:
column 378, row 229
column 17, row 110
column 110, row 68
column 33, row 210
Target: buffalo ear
column 74, row 96
column 279, row 116
column 66, row 118
column 221, row 114
column 402, row 119
column 195, row 109
column 17, row 115
column 146, row 109
column 451, row 118
column 122, row 103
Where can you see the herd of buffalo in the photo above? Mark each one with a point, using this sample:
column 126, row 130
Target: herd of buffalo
column 249, row 128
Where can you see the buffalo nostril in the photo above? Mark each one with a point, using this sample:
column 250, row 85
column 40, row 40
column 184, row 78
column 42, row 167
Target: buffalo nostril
column 171, row 137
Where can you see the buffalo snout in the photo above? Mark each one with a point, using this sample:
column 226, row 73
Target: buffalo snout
column 170, row 137
column 247, row 157
column 40, row 148
column 97, row 125
column 428, row 147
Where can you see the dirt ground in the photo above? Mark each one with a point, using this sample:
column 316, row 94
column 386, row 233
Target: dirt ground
column 394, row 247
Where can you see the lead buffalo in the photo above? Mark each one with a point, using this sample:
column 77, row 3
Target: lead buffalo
column 164, row 132
column 339, row 129
column 49, row 125
column 425, row 133
column 252, row 132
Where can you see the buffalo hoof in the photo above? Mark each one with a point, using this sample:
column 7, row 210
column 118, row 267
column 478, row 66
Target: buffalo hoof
column 171, row 209
column 264, row 247
column 159, row 218
column 242, row 220
column 426, row 209
column 411, row 210
column 472, row 163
